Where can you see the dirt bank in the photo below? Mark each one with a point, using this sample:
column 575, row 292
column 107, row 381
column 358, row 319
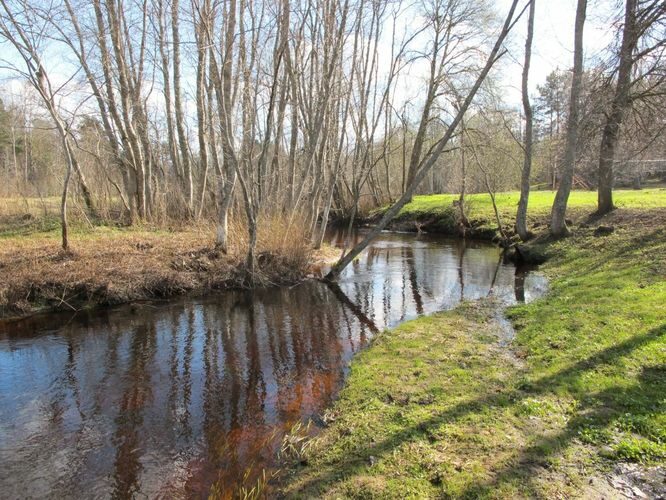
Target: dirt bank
column 108, row 267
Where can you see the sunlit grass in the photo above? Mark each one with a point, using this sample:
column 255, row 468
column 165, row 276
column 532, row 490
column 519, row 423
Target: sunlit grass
column 540, row 202
column 438, row 409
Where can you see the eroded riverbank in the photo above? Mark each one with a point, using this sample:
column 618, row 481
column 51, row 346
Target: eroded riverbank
column 111, row 266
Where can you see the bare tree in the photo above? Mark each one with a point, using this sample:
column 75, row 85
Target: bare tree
column 639, row 16
column 165, row 55
column 178, row 107
column 455, row 26
column 438, row 148
column 558, row 225
column 26, row 39
column 521, row 215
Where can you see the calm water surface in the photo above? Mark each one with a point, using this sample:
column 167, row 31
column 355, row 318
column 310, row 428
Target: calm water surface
column 169, row 399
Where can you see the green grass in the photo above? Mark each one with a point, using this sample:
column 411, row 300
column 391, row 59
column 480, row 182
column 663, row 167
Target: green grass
column 480, row 210
column 48, row 229
column 437, row 408
column 25, row 217
column 539, row 204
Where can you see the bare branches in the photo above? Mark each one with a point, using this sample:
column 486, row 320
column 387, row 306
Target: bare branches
column 312, row 109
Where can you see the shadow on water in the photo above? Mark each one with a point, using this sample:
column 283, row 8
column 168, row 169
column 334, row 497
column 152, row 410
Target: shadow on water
column 168, row 399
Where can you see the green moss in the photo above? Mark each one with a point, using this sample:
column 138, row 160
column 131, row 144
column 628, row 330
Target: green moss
column 18, row 227
column 432, row 409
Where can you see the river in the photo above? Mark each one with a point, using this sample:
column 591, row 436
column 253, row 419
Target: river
column 167, row 399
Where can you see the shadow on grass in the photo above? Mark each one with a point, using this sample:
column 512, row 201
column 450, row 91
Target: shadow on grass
column 525, row 467
column 599, row 409
column 646, row 241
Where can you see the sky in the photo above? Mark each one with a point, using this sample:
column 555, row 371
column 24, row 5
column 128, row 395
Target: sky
column 553, row 40
column 552, row 48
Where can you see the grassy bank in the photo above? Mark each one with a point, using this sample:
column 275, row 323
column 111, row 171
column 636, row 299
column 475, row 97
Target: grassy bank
column 437, row 212
column 113, row 265
column 574, row 407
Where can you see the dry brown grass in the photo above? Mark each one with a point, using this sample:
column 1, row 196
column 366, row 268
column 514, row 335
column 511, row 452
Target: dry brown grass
column 104, row 267
column 109, row 266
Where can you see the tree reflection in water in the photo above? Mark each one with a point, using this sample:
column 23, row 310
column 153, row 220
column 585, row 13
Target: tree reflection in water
column 169, row 399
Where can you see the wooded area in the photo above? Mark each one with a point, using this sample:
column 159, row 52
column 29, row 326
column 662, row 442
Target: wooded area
column 157, row 111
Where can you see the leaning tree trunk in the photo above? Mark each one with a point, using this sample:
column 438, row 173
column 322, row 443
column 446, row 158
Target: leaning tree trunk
column 558, row 225
column 521, row 215
column 436, row 152
column 620, row 102
column 85, row 190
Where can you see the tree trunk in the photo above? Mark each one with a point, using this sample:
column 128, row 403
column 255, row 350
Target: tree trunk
column 63, row 200
column 558, row 225
column 226, row 197
column 620, row 102
column 521, row 215
column 166, row 82
column 202, row 110
column 178, row 109
column 464, row 223
column 85, row 190
column 223, row 91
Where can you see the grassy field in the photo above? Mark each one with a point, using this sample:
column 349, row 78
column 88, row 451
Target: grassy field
column 574, row 408
column 540, row 201
column 438, row 213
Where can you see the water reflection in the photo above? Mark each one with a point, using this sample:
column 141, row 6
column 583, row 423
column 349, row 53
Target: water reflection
column 402, row 276
column 169, row 399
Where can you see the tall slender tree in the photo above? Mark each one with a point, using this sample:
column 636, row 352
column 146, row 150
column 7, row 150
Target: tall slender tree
column 521, row 215
column 558, row 225
column 639, row 17
column 26, row 39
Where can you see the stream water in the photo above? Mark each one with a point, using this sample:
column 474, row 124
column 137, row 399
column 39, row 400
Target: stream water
column 170, row 399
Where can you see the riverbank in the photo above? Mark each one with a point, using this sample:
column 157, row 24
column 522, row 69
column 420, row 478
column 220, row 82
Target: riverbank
column 438, row 214
column 112, row 265
column 573, row 407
